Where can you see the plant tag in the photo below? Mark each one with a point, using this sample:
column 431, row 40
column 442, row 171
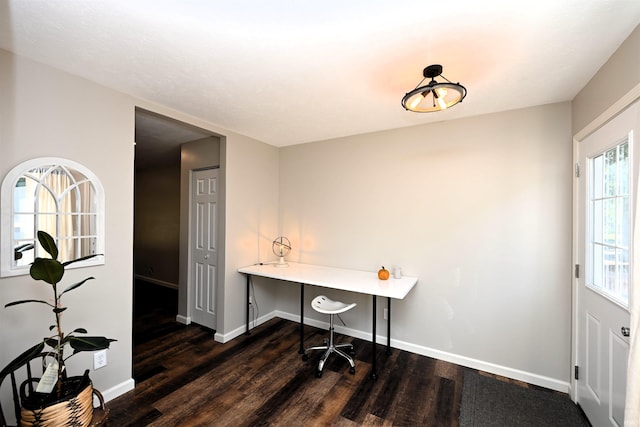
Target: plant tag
column 49, row 378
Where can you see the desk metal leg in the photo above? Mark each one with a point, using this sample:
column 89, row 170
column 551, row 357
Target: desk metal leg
column 388, row 325
column 301, row 351
column 248, row 296
column 374, row 374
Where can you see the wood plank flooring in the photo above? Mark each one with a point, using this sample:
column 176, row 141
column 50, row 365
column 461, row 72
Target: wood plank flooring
column 184, row 378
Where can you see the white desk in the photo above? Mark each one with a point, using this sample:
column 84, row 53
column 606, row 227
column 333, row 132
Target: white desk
column 363, row 282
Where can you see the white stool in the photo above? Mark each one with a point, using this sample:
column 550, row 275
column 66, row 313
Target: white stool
column 324, row 305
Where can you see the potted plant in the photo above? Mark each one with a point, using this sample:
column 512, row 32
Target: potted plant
column 62, row 391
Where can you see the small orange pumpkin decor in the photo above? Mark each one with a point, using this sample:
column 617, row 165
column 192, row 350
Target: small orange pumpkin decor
column 383, row 274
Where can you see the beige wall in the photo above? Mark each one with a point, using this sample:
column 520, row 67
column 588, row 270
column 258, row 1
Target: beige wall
column 44, row 112
column 251, row 224
column 619, row 75
column 478, row 209
column 157, row 223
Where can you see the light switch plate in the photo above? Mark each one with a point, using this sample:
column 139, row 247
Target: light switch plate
column 99, row 359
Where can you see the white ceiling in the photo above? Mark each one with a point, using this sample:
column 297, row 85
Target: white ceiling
column 288, row 71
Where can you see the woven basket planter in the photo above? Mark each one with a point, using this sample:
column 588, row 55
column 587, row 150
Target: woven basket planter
column 74, row 409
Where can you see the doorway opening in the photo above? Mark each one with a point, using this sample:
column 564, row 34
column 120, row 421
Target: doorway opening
column 166, row 152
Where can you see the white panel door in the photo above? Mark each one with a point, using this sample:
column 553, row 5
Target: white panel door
column 606, row 211
column 204, row 252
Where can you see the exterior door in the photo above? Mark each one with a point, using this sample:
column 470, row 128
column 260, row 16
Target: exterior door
column 606, row 204
column 204, row 247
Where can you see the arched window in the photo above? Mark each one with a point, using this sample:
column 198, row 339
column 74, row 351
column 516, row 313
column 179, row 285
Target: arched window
column 55, row 195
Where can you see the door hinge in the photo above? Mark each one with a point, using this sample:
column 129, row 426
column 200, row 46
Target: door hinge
column 576, row 372
column 577, row 170
column 577, row 271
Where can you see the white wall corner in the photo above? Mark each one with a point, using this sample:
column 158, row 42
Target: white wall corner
column 224, row 338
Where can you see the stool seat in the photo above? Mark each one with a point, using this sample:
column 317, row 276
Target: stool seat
column 324, row 305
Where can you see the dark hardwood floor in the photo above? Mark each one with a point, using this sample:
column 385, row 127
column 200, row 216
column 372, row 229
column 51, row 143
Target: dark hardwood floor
column 184, row 378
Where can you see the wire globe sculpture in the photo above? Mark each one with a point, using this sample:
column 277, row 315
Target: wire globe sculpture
column 281, row 247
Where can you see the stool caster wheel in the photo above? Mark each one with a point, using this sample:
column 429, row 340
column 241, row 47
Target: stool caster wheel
column 352, row 371
column 318, row 373
column 305, row 357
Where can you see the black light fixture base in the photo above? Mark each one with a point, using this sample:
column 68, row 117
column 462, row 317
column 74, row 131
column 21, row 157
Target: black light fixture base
column 432, row 71
column 438, row 95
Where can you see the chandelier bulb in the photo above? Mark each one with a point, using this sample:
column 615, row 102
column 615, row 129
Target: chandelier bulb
column 416, row 101
column 439, row 94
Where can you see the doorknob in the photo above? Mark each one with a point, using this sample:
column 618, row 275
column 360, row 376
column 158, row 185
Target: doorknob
column 625, row 331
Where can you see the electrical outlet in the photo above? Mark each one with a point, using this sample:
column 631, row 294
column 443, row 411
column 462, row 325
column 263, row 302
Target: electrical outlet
column 385, row 315
column 99, row 359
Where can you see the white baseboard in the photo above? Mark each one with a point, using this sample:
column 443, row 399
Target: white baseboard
column 516, row 374
column 185, row 320
column 156, row 281
column 118, row 390
column 223, row 338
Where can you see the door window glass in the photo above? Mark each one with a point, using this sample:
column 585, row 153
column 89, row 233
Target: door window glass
column 609, row 224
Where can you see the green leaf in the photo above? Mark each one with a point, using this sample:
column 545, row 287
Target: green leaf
column 80, row 259
column 52, row 327
column 89, row 343
column 49, row 270
column 80, row 330
column 22, row 359
column 77, row 285
column 51, row 342
column 24, row 301
column 59, row 309
column 48, row 244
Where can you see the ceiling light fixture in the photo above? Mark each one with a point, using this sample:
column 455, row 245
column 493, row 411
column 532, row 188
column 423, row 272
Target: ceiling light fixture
column 443, row 95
